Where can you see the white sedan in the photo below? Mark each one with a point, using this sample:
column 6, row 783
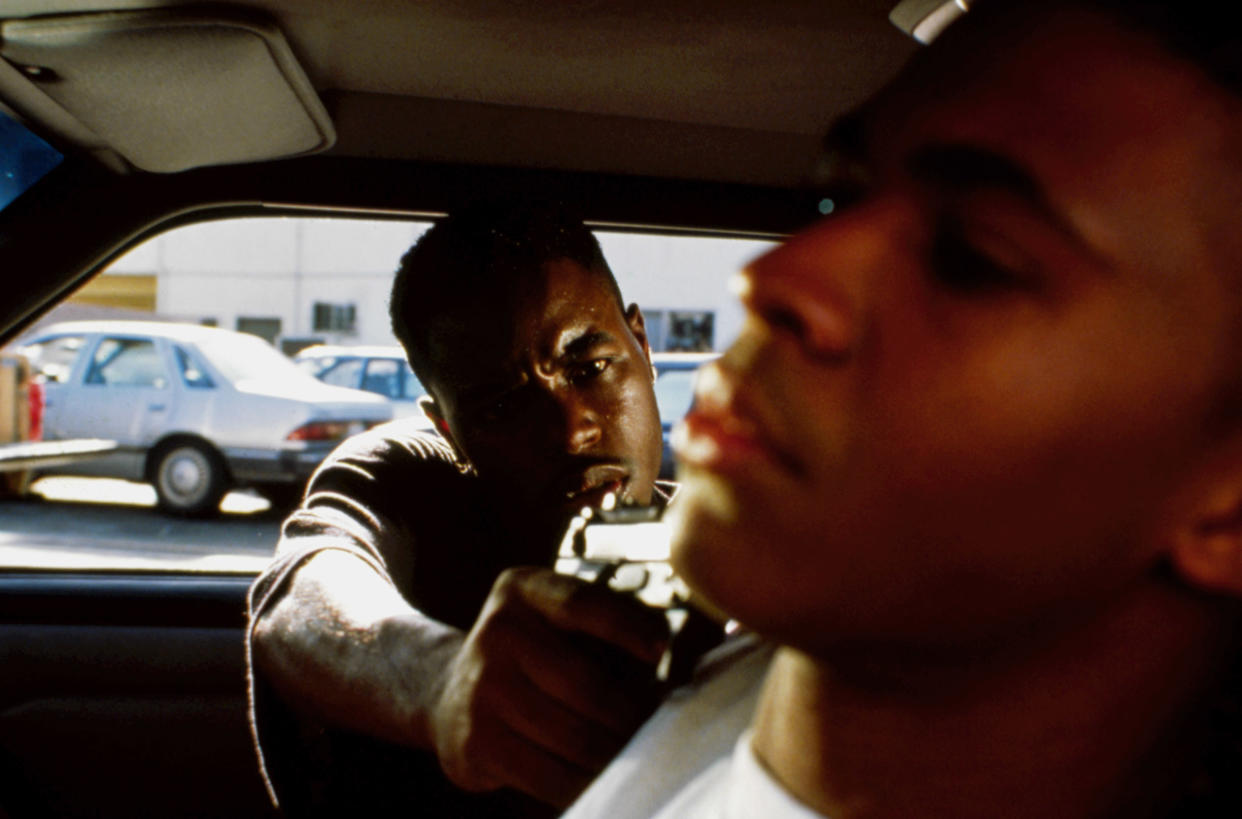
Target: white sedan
column 194, row 410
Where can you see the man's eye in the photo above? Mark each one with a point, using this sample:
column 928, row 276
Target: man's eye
column 588, row 369
column 960, row 266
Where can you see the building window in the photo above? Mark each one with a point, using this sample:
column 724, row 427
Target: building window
column 267, row 329
column 690, row 330
column 654, row 321
column 334, row 318
column 680, row 330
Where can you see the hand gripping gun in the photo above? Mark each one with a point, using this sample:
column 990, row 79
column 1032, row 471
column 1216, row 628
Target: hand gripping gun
column 627, row 548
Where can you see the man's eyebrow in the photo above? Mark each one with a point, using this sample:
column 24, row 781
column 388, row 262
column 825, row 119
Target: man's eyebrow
column 964, row 169
column 582, row 343
column 961, row 169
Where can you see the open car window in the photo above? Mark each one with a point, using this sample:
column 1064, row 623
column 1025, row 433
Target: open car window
column 192, row 335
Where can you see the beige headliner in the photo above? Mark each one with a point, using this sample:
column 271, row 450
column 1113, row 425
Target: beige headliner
column 726, row 90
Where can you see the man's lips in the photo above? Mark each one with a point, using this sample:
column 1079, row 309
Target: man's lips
column 595, row 482
column 729, row 428
column 715, row 441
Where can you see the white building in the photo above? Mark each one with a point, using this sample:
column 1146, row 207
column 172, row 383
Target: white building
column 294, row 280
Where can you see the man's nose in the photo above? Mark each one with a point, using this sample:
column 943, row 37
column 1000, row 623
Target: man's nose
column 816, row 286
column 582, row 423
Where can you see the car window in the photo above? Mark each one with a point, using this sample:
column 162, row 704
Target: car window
column 383, row 377
column 238, row 298
column 343, row 373
column 674, row 391
column 191, row 371
column 127, row 362
column 411, row 388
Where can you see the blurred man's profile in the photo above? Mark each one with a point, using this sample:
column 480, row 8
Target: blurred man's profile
column 975, row 461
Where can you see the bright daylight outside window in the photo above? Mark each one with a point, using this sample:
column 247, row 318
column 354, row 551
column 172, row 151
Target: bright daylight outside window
column 200, row 358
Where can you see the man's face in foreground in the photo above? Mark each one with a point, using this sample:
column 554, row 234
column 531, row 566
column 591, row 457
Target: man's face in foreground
column 551, row 393
column 962, row 403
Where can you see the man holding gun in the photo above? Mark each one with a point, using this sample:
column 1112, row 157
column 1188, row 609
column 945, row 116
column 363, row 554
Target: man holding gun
column 411, row 623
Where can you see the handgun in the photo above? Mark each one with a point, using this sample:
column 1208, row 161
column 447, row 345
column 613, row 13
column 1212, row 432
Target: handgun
column 627, row 548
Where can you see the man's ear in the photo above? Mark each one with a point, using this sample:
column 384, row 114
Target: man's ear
column 1206, row 546
column 432, row 410
column 638, row 326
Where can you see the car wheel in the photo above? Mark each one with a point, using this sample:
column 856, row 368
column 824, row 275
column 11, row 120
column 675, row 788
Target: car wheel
column 189, row 479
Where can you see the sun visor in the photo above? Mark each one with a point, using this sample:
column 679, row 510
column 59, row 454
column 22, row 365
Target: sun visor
column 169, row 90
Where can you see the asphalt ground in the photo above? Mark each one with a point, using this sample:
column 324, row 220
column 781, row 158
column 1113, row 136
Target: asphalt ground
column 98, row 523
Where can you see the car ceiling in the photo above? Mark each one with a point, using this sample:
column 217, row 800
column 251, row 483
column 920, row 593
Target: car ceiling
column 687, row 115
column 731, row 91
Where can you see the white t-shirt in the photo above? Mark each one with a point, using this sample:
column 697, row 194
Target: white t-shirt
column 693, row 757
column 738, row 787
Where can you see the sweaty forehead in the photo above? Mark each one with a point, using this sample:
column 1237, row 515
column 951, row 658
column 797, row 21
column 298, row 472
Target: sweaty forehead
column 491, row 336
column 574, row 296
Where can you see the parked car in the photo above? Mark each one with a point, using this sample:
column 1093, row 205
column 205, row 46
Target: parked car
column 382, row 370
column 674, row 390
column 195, row 410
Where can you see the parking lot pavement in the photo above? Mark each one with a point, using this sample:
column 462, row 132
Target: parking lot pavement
column 97, row 523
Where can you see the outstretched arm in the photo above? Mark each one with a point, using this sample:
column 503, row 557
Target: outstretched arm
column 552, row 679
column 343, row 646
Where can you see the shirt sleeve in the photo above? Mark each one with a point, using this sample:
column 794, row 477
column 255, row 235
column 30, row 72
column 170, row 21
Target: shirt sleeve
column 363, row 500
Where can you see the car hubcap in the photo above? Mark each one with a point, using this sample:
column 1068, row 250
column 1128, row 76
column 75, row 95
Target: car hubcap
column 184, row 475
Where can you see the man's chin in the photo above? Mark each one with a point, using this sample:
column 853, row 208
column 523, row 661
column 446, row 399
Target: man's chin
column 707, row 533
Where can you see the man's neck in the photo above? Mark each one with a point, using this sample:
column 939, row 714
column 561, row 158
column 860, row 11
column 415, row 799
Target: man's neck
column 1085, row 723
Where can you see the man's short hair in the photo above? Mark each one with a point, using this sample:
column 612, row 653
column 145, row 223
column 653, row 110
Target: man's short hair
column 482, row 249
column 1206, row 32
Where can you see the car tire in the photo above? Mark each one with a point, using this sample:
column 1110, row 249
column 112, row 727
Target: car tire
column 189, row 479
